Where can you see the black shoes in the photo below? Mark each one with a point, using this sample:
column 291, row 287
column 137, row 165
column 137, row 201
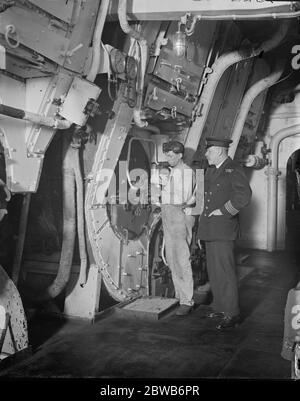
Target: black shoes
column 228, row 322
column 183, row 310
column 212, row 315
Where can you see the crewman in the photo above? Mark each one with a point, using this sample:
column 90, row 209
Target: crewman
column 226, row 192
column 177, row 201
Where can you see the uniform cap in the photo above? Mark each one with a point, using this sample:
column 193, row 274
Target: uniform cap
column 215, row 141
column 175, row 146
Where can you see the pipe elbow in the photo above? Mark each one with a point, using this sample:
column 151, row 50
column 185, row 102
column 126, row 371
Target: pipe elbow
column 124, row 23
column 137, row 117
column 276, row 39
column 249, row 51
column 62, row 124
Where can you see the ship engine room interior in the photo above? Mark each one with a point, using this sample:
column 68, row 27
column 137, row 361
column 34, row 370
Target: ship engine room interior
column 91, row 91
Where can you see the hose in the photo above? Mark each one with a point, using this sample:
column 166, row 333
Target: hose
column 80, row 219
column 163, row 251
column 69, row 229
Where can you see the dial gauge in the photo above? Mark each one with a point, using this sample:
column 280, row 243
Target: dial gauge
column 118, row 61
column 131, row 67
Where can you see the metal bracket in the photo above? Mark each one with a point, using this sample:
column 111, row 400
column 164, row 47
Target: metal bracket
column 273, row 171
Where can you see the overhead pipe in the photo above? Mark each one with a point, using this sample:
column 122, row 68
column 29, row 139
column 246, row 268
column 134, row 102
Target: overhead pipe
column 273, row 174
column 218, row 69
column 91, row 76
column 137, row 114
column 247, row 101
column 241, row 17
column 34, row 118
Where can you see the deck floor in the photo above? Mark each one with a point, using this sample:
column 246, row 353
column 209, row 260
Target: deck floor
column 173, row 346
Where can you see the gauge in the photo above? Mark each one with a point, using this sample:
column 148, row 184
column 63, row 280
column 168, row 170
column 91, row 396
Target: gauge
column 118, row 61
column 131, row 67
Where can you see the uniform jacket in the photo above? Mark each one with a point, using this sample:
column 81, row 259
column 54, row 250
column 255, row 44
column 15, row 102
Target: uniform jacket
column 226, row 188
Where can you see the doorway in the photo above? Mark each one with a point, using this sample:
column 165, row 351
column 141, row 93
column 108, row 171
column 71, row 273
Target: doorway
column 293, row 203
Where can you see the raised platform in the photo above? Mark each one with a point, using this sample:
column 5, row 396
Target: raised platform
column 152, row 308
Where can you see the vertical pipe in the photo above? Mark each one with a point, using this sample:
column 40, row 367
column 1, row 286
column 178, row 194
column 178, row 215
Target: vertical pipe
column 91, row 76
column 247, row 101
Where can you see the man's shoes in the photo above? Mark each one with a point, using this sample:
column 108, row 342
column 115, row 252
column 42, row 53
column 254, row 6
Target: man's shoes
column 228, row 322
column 183, row 310
column 212, row 315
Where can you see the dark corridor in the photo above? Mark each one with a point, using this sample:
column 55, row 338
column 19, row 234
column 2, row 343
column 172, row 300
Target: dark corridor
column 293, row 204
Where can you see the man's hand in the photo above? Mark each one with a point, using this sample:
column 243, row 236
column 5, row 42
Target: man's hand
column 216, row 212
column 199, row 244
column 6, row 190
column 3, row 212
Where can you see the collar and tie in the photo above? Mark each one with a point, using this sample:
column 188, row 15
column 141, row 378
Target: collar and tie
column 212, row 171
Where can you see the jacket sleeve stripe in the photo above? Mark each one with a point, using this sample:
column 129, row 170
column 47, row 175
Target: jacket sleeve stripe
column 230, row 208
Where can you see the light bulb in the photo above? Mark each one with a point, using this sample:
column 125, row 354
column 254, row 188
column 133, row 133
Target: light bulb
column 179, row 43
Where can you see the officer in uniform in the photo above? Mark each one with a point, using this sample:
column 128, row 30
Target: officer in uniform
column 226, row 192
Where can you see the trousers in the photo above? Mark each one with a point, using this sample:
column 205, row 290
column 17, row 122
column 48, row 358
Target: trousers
column 178, row 236
column 221, row 269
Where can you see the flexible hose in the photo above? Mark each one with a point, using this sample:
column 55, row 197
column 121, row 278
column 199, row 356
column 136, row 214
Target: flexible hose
column 69, row 229
column 80, row 218
column 163, row 251
column 124, row 24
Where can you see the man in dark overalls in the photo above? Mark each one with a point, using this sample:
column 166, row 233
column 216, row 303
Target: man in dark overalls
column 226, row 192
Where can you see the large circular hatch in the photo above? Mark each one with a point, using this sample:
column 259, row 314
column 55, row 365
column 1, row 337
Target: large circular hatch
column 119, row 230
column 129, row 219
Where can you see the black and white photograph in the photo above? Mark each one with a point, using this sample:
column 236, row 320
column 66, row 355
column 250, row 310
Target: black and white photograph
column 149, row 195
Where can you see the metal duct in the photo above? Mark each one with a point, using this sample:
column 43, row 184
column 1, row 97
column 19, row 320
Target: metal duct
column 218, row 68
